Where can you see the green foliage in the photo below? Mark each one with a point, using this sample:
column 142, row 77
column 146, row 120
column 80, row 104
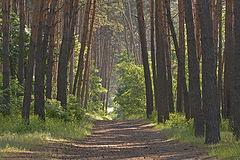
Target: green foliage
column 16, row 96
column 178, row 120
column 130, row 96
column 107, row 14
column 228, row 148
column 95, row 91
column 73, row 113
column 14, row 39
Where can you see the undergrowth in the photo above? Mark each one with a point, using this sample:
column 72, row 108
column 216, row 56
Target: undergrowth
column 178, row 128
column 60, row 125
column 15, row 135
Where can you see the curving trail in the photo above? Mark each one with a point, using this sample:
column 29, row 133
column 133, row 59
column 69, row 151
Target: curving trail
column 112, row 140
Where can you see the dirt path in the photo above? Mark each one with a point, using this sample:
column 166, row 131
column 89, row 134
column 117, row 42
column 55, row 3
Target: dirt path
column 112, row 140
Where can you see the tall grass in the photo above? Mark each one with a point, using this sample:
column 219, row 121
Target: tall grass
column 15, row 135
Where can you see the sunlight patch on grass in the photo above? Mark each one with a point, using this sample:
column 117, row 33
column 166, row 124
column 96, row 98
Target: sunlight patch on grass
column 17, row 136
column 183, row 135
column 14, row 142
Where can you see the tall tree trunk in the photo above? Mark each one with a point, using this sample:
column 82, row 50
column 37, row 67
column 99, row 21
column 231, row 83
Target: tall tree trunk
column 181, row 56
column 236, row 84
column 31, row 55
column 55, row 67
column 39, row 99
column 87, row 86
column 181, row 85
column 228, row 70
column 194, row 71
column 71, row 74
column 169, row 79
column 88, row 53
column 174, row 37
column 209, row 77
column 50, row 60
column 143, row 40
column 153, row 54
column 78, row 76
column 220, row 61
column 5, row 54
column 63, row 63
column 163, row 111
column 197, row 32
column 66, row 48
column 168, row 62
column 104, row 70
column 21, row 42
column 215, row 29
column 109, row 79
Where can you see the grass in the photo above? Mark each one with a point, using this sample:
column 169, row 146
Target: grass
column 228, row 148
column 15, row 142
column 178, row 128
column 16, row 136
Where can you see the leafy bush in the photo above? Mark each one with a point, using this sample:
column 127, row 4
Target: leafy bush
column 74, row 111
column 95, row 91
column 53, row 109
column 130, row 95
column 178, row 120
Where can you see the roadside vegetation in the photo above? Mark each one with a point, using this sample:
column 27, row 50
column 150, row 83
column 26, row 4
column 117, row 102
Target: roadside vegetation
column 178, row 128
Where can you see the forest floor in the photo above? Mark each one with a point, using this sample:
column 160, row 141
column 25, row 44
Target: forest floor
column 112, row 140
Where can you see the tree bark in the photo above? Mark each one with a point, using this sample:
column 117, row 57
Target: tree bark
column 109, row 79
column 215, row 29
column 168, row 62
column 194, row 71
column 50, row 56
column 21, row 42
column 88, row 53
column 153, row 54
column 220, row 61
column 197, row 32
column 170, row 87
column 66, row 48
column 228, row 69
column 29, row 72
column 209, row 77
column 143, row 40
column 78, row 76
column 87, row 86
column 182, row 101
column 39, row 99
column 163, row 111
column 5, row 55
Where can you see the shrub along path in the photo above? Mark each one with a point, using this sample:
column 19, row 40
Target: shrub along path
column 113, row 140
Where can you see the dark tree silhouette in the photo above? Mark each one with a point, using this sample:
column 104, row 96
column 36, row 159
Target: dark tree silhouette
column 209, row 77
column 142, row 34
